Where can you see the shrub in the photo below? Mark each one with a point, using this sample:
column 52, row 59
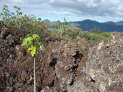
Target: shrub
column 94, row 37
column 17, row 19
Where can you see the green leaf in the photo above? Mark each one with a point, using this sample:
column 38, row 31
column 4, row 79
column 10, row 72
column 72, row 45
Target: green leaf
column 33, row 42
column 27, row 41
column 32, row 49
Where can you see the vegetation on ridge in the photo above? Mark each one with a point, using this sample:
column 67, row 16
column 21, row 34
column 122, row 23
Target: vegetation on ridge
column 61, row 30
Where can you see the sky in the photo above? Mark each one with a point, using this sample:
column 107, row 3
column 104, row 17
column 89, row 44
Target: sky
column 72, row 10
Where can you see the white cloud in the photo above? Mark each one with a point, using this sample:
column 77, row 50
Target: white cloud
column 92, row 7
column 17, row 1
column 81, row 8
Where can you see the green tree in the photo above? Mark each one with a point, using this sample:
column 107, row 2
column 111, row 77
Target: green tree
column 5, row 14
column 33, row 42
column 17, row 19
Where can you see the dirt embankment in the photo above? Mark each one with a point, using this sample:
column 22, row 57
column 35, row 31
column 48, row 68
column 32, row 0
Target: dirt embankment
column 64, row 66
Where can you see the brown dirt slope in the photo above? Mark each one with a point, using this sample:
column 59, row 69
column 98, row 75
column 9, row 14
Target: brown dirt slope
column 64, row 66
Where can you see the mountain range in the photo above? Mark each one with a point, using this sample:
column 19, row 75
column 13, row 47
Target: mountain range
column 109, row 26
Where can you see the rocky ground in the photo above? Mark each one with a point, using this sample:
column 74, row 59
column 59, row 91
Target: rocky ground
column 64, row 66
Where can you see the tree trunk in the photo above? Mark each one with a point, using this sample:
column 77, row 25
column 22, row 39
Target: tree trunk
column 34, row 77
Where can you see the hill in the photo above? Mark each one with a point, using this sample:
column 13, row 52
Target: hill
column 105, row 26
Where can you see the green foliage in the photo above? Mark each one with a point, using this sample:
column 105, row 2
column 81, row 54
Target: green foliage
column 54, row 34
column 5, row 14
column 62, row 27
column 71, row 33
column 8, row 17
column 32, row 49
column 59, row 30
column 97, row 31
column 17, row 19
column 33, row 42
column 95, row 37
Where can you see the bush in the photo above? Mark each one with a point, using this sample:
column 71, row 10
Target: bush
column 94, row 37
column 97, row 31
column 19, row 20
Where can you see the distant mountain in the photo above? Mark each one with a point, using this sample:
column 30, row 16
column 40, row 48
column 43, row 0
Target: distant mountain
column 110, row 26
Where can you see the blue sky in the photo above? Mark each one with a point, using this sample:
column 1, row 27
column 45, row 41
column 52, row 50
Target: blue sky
column 72, row 10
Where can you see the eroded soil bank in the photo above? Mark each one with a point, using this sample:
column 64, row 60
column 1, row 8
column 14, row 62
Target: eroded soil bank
column 64, row 66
